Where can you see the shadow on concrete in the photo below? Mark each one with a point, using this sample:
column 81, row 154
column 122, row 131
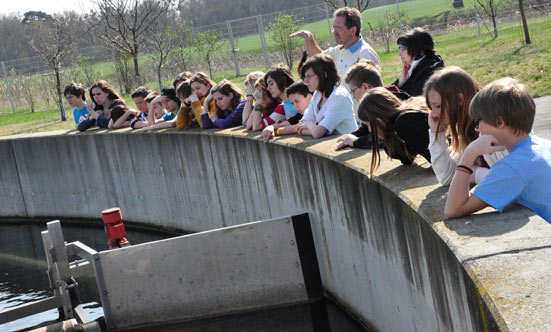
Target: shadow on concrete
column 416, row 176
column 489, row 222
column 485, row 223
column 434, row 202
column 349, row 153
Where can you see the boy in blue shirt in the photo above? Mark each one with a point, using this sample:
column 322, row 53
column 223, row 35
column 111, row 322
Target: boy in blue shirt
column 504, row 114
column 171, row 104
column 76, row 96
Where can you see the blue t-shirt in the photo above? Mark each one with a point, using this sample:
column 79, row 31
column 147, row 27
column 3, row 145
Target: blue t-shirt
column 169, row 116
column 290, row 110
column 80, row 115
column 523, row 176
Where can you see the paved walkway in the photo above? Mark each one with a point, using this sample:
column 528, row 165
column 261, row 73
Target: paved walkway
column 542, row 123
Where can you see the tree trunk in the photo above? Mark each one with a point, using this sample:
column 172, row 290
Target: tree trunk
column 524, row 22
column 59, row 94
column 136, row 69
column 210, row 67
column 494, row 19
column 289, row 56
column 159, row 78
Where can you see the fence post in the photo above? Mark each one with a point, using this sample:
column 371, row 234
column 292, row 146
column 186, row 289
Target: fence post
column 400, row 16
column 331, row 37
column 476, row 14
column 233, row 49
column 9, row 88
column 263, row 40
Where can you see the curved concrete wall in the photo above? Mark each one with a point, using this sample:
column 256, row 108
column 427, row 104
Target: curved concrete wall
column 384, row 251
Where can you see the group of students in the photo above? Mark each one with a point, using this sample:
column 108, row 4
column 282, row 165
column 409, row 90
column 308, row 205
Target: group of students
column 272, row 102
column 469, row 134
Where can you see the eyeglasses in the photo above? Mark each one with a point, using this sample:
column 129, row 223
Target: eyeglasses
column 354, row 89
column 476, row 123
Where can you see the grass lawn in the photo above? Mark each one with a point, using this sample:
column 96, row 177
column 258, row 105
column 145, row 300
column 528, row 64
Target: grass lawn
column 487, row 59
column 484, row 58
column 416, row 10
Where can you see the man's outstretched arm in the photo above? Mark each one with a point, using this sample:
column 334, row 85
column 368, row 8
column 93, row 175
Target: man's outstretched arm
column 312, row 47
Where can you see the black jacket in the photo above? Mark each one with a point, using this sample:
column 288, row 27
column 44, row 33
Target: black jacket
column 363, row 133
column 421, row 73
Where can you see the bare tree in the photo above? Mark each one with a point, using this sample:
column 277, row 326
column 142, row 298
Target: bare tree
column 388, row 27
column 125, row 24
column 122, row 70
column 162, row 42
column 361, row 5
column 491, row 8
column 28, row 86
column 53, row 41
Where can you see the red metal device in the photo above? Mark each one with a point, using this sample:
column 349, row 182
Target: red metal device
column 114, row 228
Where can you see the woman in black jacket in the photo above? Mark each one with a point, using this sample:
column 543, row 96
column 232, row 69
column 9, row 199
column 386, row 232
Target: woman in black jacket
column 402, row 125
column 419, row 60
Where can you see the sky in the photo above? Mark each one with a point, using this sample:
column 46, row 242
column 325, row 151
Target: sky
column 48, row 6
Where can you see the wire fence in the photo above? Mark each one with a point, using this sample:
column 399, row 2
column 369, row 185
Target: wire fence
column 245, row 46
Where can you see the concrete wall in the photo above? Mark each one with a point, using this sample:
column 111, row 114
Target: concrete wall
column 383, row 248
column 234, row 269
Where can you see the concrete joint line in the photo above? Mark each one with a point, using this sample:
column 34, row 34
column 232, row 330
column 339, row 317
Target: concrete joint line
column 19, row 179
column 513, row 251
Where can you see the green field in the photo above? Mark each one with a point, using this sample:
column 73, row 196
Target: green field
column 416, row 11
column 484, row 58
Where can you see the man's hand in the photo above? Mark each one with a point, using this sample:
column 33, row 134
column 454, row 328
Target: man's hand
column 304, row 34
